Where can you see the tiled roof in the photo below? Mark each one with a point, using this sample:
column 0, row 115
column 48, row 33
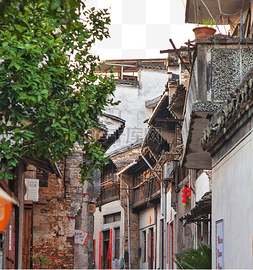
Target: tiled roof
column 173, row 79
column 127, row 82
column 125, row 156
column 153, row 66
column 177, row 100
column 230, row 111
column 201, row 209
column 206, row 106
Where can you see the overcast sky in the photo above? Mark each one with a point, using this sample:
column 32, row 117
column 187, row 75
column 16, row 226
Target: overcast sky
column 141, row 28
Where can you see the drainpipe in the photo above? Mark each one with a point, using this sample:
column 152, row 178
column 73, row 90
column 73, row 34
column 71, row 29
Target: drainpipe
column 128, row 207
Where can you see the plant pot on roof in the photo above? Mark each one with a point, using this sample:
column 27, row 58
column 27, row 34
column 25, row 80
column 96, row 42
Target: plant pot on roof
column 205, row 30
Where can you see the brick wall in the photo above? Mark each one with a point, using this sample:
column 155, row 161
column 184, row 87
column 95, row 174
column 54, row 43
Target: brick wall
column 60, row 210
column 53, row 232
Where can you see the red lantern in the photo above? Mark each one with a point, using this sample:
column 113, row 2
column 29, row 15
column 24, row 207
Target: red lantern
column 184, row 200
column 187, row 184
column 188, row 194
column 184, row 190
column 185, row 196
column 188, row 190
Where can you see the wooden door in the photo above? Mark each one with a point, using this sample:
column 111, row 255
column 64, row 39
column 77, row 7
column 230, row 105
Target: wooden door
column 10, row 245
column 27, row 235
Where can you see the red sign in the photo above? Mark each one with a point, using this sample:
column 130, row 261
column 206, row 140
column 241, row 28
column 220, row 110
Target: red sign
column 153, row 246
column 110, row 247
column 99, row 250
column 148, row 249
column 94, row 251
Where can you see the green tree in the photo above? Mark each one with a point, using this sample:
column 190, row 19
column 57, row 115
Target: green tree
column 200, row 258
column 50, row 95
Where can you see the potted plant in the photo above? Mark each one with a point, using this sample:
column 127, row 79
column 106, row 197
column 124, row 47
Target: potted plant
column 204, row 31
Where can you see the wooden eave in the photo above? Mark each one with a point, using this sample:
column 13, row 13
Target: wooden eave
column 43, row 164
column 156, row 146
column 130, row 65
column 201, row 210
column 177, row 102
column 107, row 140
column 141, row 164
column 161, row 109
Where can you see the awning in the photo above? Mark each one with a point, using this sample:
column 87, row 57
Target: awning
column 201, row 210
column 5, row 208
column 198, row 11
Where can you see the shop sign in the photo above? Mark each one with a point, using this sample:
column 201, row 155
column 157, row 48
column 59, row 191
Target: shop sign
column 220, row 244
column 91, row 208
column 81, row 237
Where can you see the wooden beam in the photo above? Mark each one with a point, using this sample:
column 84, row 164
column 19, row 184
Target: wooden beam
column 178, row 54
column 168, row 120
column 182, row 49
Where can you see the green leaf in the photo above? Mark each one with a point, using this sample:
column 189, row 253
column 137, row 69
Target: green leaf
column 55, row 4
column 56, row 104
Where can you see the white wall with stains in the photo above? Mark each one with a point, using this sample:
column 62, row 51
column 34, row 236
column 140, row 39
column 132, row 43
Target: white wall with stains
column 232, row 202
column 132, row 106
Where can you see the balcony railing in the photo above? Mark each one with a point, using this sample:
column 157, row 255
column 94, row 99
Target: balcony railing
column 110, row 193
column 145, row 191
column 110, row 181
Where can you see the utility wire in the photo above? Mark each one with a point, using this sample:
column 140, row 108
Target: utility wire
column 210, row 14
column 219, row 6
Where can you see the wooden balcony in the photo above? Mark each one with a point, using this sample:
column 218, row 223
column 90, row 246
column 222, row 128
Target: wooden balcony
column 110, row 190
column 109, row 194
column 146, row 191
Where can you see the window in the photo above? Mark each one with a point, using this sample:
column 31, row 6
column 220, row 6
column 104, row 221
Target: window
column 108, row 173
column 117, row 243
column 112, row 217
column 144, row 238
column 43, row 177
column 106, row 249
column 141, row 176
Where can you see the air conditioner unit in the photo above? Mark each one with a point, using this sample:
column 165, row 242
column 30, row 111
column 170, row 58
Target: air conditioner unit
column 31, row 189
column 168, row 171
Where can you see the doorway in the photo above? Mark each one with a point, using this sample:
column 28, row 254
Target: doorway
column 152, row 250
column 107, row 250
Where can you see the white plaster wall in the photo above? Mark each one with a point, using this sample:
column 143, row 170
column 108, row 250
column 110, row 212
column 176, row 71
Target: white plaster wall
column 191, row 98
column 170, row 216
column 158, row 214
column 147, row 217
column 109, row 208
column 201, row 186
column 132, row 107
column 169, row 209
column 147, row 220
column 232, row 201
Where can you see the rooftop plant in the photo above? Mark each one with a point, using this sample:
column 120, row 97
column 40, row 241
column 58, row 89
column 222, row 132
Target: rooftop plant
column 208, row 22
